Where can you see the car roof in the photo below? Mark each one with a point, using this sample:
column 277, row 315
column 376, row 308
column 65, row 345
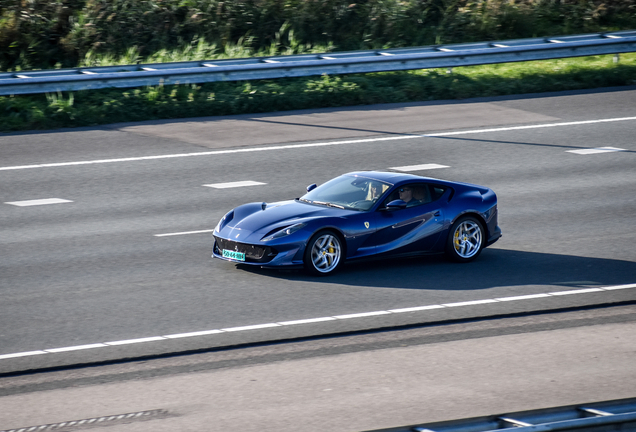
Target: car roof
column 388, row 177
column 394, row 178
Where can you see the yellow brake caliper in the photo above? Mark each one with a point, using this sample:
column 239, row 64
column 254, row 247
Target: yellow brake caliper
column 331, row 250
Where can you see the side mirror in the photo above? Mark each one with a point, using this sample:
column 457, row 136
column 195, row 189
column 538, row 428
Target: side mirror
column 311, row 187
column 396, row 205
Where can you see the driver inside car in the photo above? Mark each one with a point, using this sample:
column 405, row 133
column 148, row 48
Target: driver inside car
column 412, row 195
column 406, row 195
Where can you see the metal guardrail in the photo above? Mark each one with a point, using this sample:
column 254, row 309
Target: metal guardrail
column 439, row 56
column 618, row 415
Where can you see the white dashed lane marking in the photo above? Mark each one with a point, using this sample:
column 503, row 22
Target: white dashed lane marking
column 419, row 167
column 598, row 150
column 37, row 202
column 234, row 184
column 316, row 320
column 228, row 185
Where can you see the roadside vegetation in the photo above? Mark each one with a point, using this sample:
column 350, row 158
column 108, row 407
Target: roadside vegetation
column 38, row 34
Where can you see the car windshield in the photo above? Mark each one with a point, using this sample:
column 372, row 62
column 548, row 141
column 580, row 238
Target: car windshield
column 348, row 192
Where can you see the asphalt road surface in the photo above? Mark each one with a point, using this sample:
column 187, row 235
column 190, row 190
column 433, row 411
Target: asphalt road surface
column 105, row 233
column 341, row 384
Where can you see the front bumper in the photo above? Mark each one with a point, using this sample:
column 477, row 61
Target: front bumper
column 254, row 254
column 259, row 255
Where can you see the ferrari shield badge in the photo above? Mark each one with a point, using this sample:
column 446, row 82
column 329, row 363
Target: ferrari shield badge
column 366, row 225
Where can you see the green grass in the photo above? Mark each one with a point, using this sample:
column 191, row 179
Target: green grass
column 88, row 108
column 200, row 49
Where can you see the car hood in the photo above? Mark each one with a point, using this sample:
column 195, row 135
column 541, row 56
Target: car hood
column 252, row 219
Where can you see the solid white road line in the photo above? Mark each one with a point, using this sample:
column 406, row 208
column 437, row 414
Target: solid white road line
column 21, row 354
column 37, row 202
column 419, row 167
column 135, row 341
column 619, row 287
column 523, row 297
column 579, row 291
column 251, row 327
column 540, row 126
column 234, row 184
column 192, row 334
column 596, row 150
column 470, row 303
column 307, row 321
column 320, row 319
column 184, row 233
column 76, row 348
column 317, row 144
column 361, row 315
column 416, row 308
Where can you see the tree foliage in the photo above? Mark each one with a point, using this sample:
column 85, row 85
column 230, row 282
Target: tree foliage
column 61, row 33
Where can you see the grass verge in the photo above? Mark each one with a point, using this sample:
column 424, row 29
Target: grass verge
column 90, row 108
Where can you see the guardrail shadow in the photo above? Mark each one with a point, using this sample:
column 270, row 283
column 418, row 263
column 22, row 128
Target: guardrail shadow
column 494, row 268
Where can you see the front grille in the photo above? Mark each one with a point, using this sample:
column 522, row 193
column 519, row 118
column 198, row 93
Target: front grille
column 253, row 253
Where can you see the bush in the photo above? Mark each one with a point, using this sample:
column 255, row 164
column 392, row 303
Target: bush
column 64, row 33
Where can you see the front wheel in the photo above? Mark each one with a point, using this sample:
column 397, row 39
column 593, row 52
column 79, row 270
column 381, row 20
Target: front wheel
column 324, row 253
column 465, row 239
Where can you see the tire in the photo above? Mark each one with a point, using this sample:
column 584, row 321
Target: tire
column 324, row 253
column 465, row 240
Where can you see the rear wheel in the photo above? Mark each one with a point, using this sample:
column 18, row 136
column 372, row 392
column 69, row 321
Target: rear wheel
column 323, row 254
column 465, row 239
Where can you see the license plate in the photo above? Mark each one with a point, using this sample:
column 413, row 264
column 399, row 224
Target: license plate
column 239, row 256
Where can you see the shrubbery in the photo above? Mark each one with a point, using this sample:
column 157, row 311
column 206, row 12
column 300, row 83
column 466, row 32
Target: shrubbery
column 38, row 34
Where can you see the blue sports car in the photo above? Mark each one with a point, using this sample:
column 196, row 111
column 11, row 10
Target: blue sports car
column 361, row 215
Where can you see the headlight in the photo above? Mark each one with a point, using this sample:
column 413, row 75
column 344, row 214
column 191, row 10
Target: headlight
column 284, row 232
column 224, row 220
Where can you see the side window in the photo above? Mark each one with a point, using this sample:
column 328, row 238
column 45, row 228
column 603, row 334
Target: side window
column 413, row 194
column 421, row 194
column 416, row 194
column 436, row 192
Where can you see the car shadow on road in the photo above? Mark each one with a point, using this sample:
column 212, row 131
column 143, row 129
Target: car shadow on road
column 494, row 268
